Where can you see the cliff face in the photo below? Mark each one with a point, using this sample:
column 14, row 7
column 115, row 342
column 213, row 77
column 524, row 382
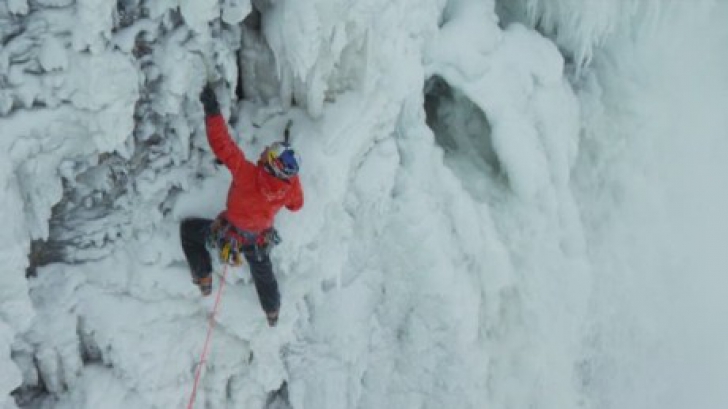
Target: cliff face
column 493, row 192
column 98, row 134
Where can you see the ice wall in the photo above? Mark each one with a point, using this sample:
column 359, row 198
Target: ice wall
column 472, row 263
column 652, row 189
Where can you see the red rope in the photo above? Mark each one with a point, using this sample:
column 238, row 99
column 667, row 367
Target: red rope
column 210, row 327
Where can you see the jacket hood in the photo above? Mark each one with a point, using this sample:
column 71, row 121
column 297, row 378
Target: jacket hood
column 270, row 186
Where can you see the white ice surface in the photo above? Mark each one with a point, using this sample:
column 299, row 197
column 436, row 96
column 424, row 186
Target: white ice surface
column 583, row 267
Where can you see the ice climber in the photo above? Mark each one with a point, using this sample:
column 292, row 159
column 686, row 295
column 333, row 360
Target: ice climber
column 257, row 193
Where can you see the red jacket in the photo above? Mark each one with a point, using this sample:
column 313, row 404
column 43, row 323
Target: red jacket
column 255, row 196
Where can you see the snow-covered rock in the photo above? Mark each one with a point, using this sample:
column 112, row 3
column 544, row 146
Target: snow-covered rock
column 508, row 204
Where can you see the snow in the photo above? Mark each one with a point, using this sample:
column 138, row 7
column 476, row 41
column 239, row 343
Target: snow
column 234, row 11
column 580, row 27
column 53, row 55
column 18, row 6
column 487, row 222
column 197, row 13
column 93, row 25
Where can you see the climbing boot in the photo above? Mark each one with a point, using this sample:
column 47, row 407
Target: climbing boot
column 272, row 318
column 205, row 284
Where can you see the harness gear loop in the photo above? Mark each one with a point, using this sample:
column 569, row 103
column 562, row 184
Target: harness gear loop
column 230, row 241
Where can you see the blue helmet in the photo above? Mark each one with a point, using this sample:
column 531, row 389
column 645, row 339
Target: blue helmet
column 280, row 160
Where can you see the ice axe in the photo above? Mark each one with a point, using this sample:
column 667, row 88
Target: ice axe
column 287, row 132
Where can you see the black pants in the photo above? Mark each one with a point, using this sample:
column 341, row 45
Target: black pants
column 194, row 233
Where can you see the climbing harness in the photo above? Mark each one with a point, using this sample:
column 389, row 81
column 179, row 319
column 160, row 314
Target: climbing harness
column 229, row 241
column 210, row 327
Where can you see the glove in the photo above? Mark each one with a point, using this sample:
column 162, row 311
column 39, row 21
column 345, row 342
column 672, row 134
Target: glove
column 209, row 101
